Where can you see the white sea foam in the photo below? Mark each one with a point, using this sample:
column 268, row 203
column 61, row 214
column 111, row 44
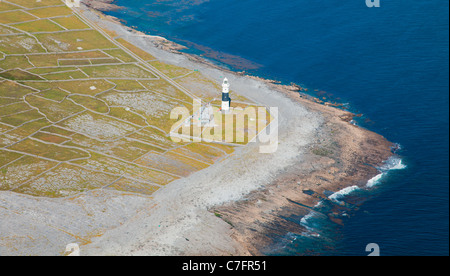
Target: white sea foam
column 336, row 197
column 305, row 219
column 311, row 226
column 393, row 163
column 396, row 147
column 375, row 180
column 318, row 205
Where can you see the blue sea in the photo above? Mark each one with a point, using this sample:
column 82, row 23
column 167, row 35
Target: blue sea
column 390, row 64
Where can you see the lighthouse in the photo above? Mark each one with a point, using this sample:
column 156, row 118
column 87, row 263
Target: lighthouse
column 226, row 101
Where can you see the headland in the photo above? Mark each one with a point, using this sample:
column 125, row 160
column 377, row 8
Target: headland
column 236, row 205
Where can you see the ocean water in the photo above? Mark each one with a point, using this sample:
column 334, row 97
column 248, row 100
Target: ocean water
column 390, row 64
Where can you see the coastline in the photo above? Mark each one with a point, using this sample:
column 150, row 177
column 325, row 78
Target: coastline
column 241, row 205
column 101, row 5
column 333, row 155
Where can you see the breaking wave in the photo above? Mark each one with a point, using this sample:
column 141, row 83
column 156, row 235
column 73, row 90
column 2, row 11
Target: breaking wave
column 393, row 163
column 336, row 197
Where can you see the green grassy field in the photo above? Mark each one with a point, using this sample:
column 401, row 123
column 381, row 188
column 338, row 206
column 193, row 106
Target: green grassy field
column 80, row 110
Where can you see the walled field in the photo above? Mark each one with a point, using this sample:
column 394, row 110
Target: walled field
column 81, row 110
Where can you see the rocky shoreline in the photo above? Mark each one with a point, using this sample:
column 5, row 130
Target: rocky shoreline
column 344, row 156
column 339, row 155
column 101, row 5
column 239, row 206
column 353, row 162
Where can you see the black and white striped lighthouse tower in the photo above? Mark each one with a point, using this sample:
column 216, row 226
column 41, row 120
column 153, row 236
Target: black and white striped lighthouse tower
column 226, row 101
